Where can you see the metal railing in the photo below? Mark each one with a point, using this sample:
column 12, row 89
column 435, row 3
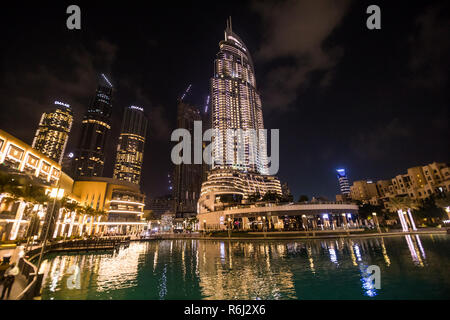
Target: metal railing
column 30, row 272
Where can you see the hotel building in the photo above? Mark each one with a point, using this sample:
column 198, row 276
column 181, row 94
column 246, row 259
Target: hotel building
column 130, row 149
column 235, row 104
column 53, row 131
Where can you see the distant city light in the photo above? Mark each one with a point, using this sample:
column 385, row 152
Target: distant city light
column 207, row 103
column 70, row 155
column 187, row 90
column 137, row 108
column 106, row 79
column 62, row 104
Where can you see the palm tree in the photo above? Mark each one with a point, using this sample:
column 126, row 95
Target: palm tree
column 99, row 214
column 9, row 189
column 149, row 215
column 400, row 204
column 87, row 211
column 71, row 208
column 254, row 197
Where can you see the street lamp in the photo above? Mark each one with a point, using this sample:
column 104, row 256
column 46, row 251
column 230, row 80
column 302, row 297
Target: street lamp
column 55, row 194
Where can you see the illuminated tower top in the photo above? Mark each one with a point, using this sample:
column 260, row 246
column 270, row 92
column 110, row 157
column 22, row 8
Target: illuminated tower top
column 343, row 181
column 53, row 131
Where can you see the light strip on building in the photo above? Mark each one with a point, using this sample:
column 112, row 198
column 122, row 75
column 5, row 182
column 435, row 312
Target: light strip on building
column 128, row 202
column 124, row 211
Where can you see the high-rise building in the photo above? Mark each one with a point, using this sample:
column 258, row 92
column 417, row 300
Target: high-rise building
column 53, row 131
column 343, row 181
column 89, row 158
column 130, row 149
column 187, row 177
column 235, row 104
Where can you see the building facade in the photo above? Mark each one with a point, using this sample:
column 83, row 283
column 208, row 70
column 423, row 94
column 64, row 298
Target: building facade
column 161, row 205
column 344, row 186
column 53, row 131
column 235, row 105
column 89, row 159
column 187, row 177
column 130, row 149
column 418, row 182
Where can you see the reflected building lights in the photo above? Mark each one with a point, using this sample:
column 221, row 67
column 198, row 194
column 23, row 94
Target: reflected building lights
column 385, row 255
column 414, row 254
column 419, row 243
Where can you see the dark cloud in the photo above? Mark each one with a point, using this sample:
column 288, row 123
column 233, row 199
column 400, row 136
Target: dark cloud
column 430, row 49
column 383, row 141
column 295, row 30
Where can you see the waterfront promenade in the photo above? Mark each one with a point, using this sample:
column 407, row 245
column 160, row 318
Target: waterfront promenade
column 288, row 235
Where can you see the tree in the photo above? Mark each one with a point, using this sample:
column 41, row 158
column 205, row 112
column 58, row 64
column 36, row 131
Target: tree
column 271, row 197
column 402, row 203
column 303, row 198
column 149, row 215
column 429, row 210
column 89, row 212
column 254, row 197
column 365, row 210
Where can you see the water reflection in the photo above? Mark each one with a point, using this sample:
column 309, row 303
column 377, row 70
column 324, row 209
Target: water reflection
column 206, row 269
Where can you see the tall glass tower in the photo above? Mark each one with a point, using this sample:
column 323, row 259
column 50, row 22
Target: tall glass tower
column 239, row 167
column 343, row 181
column 236, row 104
column 130, row 149
column 53, row 131
column 187, row 177
column 90, row 156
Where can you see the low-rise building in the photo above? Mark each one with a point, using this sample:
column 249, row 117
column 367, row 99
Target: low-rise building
column 419, row 182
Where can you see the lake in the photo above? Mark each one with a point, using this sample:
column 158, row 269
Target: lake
column 411, row 267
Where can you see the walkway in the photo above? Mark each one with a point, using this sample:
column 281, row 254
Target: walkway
column 20, row 282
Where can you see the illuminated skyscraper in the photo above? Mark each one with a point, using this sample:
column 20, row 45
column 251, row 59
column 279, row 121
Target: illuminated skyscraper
column 90, row 156
column 236, row 104
column 130, row 150
column 343, row 181
column 53, row 131
column 239, row 168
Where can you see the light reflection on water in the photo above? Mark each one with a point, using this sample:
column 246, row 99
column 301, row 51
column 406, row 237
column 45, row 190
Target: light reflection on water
column 412, row 267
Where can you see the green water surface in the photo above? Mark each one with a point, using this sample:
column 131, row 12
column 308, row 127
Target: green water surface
column 411, row 267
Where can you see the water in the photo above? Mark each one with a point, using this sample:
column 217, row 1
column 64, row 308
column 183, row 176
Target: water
column 412, row 267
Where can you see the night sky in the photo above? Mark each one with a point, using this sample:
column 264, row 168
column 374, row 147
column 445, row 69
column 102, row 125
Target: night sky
column 372, row 101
